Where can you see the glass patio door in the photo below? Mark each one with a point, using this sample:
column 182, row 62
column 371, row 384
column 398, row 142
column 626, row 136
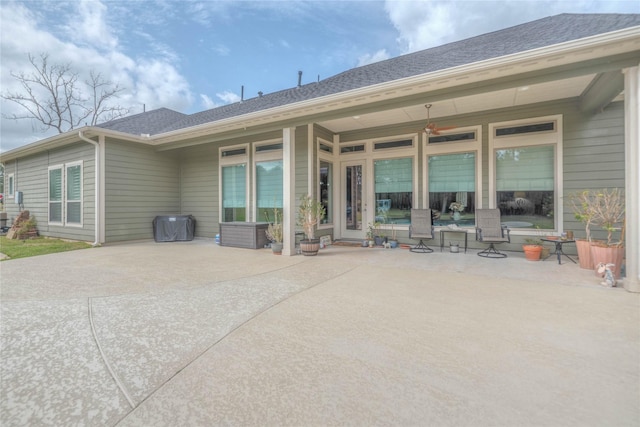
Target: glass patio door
column 353, row 209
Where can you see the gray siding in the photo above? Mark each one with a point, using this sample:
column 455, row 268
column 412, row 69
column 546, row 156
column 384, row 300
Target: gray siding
column 199, row 188
column 140, row 184
column 31, row 177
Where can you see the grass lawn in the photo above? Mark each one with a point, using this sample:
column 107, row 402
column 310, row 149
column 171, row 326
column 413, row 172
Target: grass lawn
column 40, row 246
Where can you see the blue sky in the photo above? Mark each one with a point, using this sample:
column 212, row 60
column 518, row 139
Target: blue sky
column 194, row 55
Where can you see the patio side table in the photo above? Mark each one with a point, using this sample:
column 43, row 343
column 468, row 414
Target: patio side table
column 559, row 242
column 450, row 230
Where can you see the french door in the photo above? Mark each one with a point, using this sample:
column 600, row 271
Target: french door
column 353, row 207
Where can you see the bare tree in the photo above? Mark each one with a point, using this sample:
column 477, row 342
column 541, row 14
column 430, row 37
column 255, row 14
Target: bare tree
column 52, row 96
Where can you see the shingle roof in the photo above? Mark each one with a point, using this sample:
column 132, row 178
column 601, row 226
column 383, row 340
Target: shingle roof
column 537, row 34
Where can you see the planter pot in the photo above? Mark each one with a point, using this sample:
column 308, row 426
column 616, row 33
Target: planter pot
column 379, row 240
column 607, row 255
column 393, row 244
column 532, row 252
column 456, row 216
column 454, row 248
column 584, row 254
column 310, row 247
column 365, row 243
column 276, row 248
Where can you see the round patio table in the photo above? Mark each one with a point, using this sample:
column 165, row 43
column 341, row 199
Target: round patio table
column 559, row 242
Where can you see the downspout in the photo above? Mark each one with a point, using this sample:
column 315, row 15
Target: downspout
column 97, row 191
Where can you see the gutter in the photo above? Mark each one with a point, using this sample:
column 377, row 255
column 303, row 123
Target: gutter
column 97, row 190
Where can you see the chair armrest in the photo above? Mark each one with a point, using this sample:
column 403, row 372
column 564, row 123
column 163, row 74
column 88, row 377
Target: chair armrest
column 506, row 228
column 478, row 233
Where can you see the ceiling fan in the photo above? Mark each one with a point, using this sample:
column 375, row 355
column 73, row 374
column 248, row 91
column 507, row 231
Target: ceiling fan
column 430, row 128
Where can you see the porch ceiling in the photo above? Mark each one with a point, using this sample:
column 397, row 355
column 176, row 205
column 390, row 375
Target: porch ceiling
column 512, row 97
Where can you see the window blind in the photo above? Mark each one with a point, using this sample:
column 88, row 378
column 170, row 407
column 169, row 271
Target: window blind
column 525, row 169
column 393, row 175
column 234, row 187
column 452, row 173
column 74, row 194
column 269, row 181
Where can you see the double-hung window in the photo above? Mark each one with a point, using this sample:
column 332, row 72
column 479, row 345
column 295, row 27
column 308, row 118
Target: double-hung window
column 526, row 160
column 55, row 195
column 65, row 194
column 73, row 195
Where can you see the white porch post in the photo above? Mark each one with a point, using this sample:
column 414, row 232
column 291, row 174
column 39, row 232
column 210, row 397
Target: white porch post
column 289, row 191
column 632, row 177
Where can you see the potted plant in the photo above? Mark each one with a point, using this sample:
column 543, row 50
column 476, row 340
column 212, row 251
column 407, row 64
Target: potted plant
column 532, row 249
column 378, row 234
column 393, row 241
column 457, row 208
column 274, row 231
column 608, row 213
column 583, row 204
column 370, row 233
column 310, row 213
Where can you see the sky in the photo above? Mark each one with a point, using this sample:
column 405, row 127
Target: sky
column 191, row 56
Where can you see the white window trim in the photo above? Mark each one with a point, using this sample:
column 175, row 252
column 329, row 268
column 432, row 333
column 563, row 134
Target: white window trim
column 11, row 189
column 455, row 147
column 62, row 202
column 330, row 158
column 66, row 199
column 234, row 161
column 391, row 154
column 529, row 140
column 258, row 157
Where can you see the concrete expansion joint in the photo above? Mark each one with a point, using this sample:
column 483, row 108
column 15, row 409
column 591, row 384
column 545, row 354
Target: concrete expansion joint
column 216, row 342
column 113, row 374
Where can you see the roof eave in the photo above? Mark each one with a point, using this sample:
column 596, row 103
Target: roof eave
column 612, row 43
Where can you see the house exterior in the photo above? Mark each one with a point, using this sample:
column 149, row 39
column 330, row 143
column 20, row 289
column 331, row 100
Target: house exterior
column 538, row 111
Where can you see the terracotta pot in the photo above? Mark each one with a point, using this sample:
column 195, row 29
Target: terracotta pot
column 584, row 254
column 532, row 252
column 608, row 255
column 310, row 247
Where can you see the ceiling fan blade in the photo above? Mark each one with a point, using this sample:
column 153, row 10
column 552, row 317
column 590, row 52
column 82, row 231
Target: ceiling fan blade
column 446, row 128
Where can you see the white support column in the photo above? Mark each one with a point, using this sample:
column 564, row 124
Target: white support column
column 289, row 191
column 102, row 231
column 632, row 177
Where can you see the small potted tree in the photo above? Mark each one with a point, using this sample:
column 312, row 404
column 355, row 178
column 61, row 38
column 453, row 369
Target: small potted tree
column 608, row 213
column 583, row 204
column 274, row 232
column 310, row 213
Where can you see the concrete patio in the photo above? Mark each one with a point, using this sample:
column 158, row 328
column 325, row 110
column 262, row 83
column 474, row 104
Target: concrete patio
column 194, row 334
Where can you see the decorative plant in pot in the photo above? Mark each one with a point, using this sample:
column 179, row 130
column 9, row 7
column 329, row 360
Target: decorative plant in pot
column 457, row 208
column 274, row 232
column 583, row 204
column 310, row 213
column 532, row 249
column 609, row 214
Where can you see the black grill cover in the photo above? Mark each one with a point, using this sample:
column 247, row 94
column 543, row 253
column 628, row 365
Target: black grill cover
column 168, row 228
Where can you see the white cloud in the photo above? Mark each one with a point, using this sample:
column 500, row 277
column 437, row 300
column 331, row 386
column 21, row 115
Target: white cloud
column 228, row 97
column 155, row 82
column 380, row 55
column 207, row 102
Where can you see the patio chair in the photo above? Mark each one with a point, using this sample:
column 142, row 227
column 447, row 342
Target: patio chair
column 421, row 228
column 490, row 230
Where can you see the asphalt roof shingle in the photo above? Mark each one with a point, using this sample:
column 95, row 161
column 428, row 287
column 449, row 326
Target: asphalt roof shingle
column 520, row 38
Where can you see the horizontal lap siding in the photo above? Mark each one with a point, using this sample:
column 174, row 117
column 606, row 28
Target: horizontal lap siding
column 199, row 188
column 593, row 158
column 32, row 178
column 140, row 184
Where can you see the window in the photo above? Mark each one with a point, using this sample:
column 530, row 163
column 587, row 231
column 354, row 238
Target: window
column 393, row 190
column 326, row 190
column 269, row 180
column 74, row 194
column 525, row 185
column 234, row 193
column 452, row 179
column 55, row 195
column 10, row 185
column 526, row 159
column 454, row 176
